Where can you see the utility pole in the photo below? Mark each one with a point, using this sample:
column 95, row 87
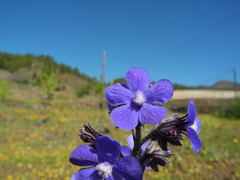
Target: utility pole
column 103, row 67
column 235, row 81
column 103, row 78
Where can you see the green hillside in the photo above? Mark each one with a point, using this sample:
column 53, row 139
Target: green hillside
column 44, row 71
column 13, row 62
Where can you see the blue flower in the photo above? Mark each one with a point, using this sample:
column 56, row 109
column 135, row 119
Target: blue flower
column 136, row 101
column 105, row 162
column 193, row 127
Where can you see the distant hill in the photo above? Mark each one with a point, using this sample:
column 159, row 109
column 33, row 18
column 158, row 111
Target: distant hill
column 27, row 68
column 13, row 62
column 222, row 85
column 225, row 85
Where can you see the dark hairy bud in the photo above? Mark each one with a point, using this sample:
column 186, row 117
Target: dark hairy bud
column 88, row 134
column 170, row 130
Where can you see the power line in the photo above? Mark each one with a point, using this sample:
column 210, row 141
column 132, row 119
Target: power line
column 48, row 44
column 200, row 35
column 217, row 76
column 117, row 58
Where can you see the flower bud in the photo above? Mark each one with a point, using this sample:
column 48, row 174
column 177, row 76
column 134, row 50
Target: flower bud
column 170, row 130
column 88, row 134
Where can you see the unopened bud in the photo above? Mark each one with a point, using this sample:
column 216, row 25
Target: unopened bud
column 88, row 134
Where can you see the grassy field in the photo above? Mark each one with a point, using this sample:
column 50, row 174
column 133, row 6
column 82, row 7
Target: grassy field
column 36, row 142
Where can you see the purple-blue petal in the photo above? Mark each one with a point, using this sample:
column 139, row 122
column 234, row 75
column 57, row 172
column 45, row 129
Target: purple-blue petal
column 192, row 113
column 194, row 139
column 197, row 125
column 84, row 156
column 137, row 79
column 129, row 168
column 108, row 148
column 125, row 117
column 125, row 85
column 117, row 95
column 110, row 108
column 130, row 141
column 75, row 176
column 152, row 114
column 86, row 174
column 114, row 176
column 144, row 146
column 160, row 92
column 126, row 151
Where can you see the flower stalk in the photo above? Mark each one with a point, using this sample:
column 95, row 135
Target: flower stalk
column 137, row 140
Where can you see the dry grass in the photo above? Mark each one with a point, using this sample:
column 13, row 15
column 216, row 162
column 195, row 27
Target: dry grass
column 36, row 142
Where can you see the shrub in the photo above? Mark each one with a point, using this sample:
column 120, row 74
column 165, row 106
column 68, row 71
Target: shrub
column 89, row 88
column 4, row 91
column 230, row 110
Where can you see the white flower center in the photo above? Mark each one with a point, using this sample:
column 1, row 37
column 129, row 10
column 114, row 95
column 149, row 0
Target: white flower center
column 194, row 126
column 104, row 169
column 139, row 98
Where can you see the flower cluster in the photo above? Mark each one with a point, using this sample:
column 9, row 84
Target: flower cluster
column 131, row 106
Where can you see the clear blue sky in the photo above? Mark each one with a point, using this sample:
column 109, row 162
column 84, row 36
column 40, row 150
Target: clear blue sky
column 188, row 42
